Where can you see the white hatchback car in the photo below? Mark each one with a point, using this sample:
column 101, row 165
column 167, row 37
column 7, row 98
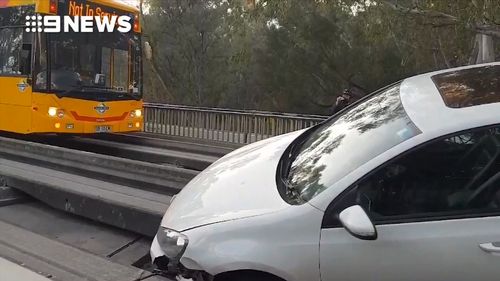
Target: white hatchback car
column 403, row 185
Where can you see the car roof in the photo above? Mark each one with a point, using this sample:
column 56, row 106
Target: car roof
column 434, row 115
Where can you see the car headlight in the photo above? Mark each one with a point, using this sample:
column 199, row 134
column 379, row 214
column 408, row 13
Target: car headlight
column 173, row 243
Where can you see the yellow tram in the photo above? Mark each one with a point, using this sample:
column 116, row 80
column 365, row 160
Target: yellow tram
column 69, row 82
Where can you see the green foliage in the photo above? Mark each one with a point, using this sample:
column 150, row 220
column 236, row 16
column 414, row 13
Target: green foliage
column 299, row 55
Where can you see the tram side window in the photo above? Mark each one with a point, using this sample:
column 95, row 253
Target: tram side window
column 40, row 71
column 25, row 63
column 15, row 52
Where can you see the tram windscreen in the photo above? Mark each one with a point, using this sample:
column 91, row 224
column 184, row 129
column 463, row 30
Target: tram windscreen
column 84, row 64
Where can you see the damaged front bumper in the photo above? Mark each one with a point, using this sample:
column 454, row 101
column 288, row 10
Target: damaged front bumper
column 174, row 268
column 155, row 251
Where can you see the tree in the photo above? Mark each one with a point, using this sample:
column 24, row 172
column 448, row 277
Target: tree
column 299, row 55
column 190, row 52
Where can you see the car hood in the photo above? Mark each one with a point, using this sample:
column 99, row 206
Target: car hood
column 241, row 184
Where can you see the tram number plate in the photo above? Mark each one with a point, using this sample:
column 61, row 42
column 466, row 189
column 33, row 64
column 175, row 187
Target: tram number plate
column 103, row 129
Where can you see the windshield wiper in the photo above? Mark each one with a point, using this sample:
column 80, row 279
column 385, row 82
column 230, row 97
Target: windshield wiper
column 114, row 91
column 293, row 193
column 292, row 153
column 285, row 165
column 72, row 89
column 132, row 96
column 294, row 150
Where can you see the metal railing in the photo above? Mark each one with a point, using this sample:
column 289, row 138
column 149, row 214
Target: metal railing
column 225, row 125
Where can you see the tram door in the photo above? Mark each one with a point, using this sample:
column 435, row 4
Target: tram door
column 15, row 71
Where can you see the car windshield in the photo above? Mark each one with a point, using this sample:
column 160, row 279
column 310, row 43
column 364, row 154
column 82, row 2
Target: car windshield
column 344, row 143
column 86, row 64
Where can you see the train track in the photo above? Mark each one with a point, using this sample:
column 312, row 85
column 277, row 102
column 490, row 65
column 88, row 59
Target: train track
column 122, row 183
column 141, row 147
column 63, row 247
column 98, row 179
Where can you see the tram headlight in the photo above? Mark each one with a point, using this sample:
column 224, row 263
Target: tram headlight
column 52, row 111
column 136, row 113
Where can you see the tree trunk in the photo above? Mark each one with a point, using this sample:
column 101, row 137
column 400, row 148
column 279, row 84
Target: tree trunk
column 149, row 58
column 250, row 4
column 486, row 49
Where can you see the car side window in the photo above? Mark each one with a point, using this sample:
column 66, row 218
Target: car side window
column 458, row 175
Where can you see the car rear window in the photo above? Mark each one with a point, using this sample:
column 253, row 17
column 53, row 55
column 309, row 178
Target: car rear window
column 469, row 87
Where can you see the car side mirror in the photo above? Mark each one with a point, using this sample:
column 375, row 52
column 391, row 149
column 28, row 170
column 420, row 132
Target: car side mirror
column 356, row 221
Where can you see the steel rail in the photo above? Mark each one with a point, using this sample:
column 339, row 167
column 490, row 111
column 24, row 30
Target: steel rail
column 174, row 153
column 171, row 143
column 76, row 161
column 61, row 261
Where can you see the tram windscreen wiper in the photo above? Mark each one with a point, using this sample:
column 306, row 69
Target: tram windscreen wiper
column 97, row 89
column 132, row 96
column 72, row 89
column 115, row 91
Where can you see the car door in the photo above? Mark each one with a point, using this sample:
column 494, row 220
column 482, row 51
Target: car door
column 437, row 215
